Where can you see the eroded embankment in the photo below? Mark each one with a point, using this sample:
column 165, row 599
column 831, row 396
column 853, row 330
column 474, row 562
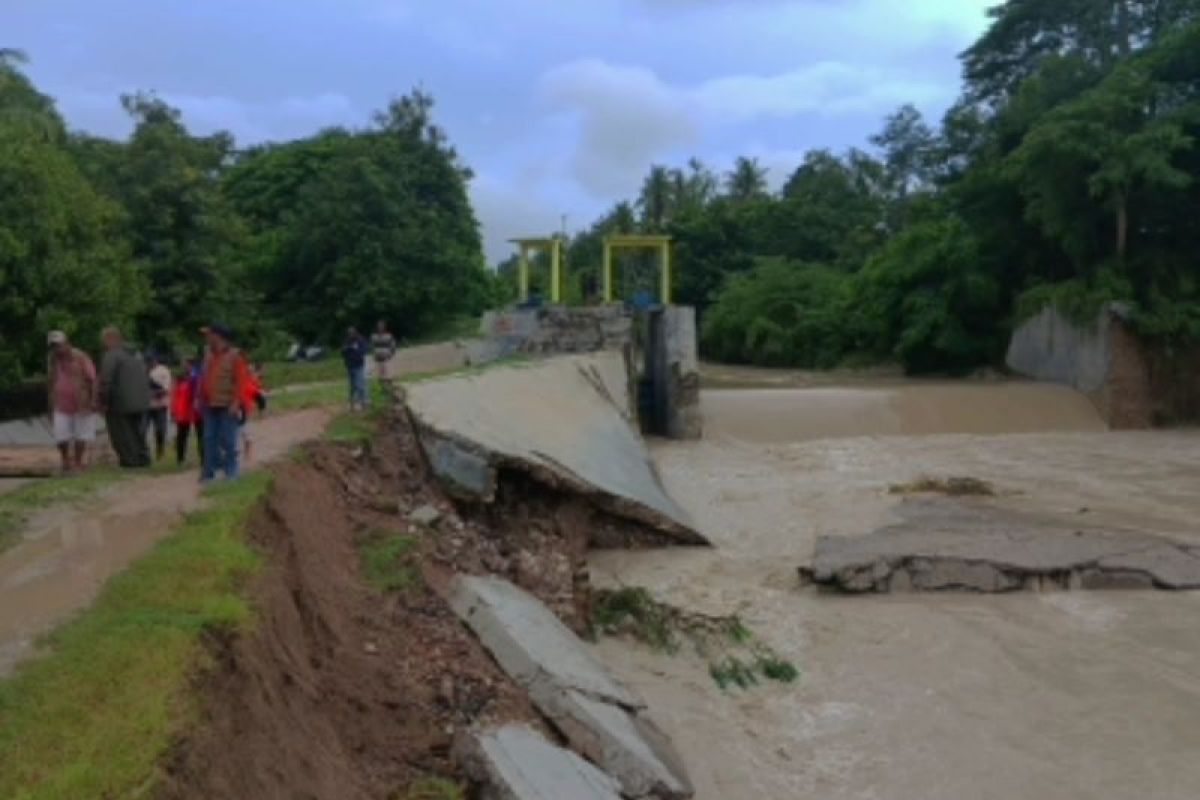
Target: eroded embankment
column 352, row 690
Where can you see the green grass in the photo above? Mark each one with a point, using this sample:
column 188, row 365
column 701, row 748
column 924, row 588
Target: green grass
column 633, row 611
column 278, row 374
column 321, row 395
column 17, row 506
column 388, row 561
column 456, row 328
column 95, row 716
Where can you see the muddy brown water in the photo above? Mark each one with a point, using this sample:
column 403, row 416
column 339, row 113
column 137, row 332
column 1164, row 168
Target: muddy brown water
column 68, row 552
column 922, row 697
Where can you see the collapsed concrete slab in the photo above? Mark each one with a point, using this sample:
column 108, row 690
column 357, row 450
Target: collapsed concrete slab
column 517, row 763
column 948, row 545
column 600, row 717
column 566, row 422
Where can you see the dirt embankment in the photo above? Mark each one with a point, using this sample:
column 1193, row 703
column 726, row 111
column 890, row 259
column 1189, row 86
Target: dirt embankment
column 343, row 690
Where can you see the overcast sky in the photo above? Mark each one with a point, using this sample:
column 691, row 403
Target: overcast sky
column 560, row 106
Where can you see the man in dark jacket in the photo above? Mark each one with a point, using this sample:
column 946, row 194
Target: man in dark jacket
column 354, row 356
column 125, row 399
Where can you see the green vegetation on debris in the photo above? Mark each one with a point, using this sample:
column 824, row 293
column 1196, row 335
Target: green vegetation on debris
column 18, row 505
column 95, row 715
column 735, row 655
column 434, row 789
column 955, row 487
column 389, row 561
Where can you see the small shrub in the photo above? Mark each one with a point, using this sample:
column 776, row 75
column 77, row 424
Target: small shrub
column 388, row 562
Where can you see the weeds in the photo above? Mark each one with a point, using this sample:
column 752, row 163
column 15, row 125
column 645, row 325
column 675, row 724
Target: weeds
column 389, row 561
column 736, row 657
column 433, row 789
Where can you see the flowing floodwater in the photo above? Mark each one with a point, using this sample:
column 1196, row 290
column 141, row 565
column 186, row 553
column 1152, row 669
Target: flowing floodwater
column 923, row 697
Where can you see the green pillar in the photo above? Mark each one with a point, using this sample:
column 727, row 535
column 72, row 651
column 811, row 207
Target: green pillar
column 608, row 273
column 523, row 275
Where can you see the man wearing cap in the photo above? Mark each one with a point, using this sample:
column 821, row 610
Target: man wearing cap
column 125, row 397
column 222, row 389
column 72, row 391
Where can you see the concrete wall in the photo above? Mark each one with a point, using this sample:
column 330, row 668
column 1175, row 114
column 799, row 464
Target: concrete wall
column 1134, row 383
column 1051, row 348
column 684, row 420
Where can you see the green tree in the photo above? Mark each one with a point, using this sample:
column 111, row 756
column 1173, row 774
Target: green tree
column 747, row 181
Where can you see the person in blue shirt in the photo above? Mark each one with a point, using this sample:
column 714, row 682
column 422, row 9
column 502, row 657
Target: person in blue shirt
column 354, row 355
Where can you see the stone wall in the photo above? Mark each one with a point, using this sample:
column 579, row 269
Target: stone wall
column 552, row 331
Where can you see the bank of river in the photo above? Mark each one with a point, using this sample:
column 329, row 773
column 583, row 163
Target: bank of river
column 923, row 697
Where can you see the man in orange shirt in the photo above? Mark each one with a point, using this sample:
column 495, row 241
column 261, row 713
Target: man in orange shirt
column 222, row 391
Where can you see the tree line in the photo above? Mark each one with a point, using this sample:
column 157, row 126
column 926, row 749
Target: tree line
column 1067, row 173
column 166, row 231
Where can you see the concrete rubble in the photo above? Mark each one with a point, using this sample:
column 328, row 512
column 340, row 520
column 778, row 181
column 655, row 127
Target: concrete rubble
column 567, row 422
column 947, row 545
column 517, row 763
column 600, row 718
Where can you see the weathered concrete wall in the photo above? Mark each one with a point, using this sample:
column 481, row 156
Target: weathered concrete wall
column 1049, row 347
column 1134, row 383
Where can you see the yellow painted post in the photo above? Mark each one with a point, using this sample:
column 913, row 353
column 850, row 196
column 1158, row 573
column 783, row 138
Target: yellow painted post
column 523, row 275
column 666, row 273
column 608, row 273
column 556, row 272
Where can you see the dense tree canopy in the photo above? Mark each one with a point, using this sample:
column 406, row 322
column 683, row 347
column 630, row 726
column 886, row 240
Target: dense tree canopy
column 166, row 230
column 1067, row 173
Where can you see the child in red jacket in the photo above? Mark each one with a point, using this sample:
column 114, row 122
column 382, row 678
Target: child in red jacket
column 253, row 398
column 183, row 411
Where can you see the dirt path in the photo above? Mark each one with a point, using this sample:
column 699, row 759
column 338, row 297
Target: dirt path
column 925, row 697
column 69, row 552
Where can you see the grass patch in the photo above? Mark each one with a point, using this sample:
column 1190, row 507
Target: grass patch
column 95, row 716
column 17, row 506
column 278, row 374
column 352, row 428
column 389, row 561
column 454, row 328
column 736, row 656
column 955, row 487
column 321, row 395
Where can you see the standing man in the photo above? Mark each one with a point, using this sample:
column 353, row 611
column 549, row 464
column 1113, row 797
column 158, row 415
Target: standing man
column 354, row 355
column 72, row 391
column 125, row 397
column 383, row 347
column 223, row 383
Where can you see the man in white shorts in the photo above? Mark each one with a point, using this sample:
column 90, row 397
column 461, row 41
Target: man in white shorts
column 72, row 391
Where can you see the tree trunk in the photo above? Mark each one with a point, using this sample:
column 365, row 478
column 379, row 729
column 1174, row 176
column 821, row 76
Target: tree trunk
column 1122, row 226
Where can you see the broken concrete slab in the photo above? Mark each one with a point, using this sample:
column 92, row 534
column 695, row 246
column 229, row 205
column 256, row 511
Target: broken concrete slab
column 530, row 643
column 946, row 545
column 517, row 763
column 599, row 716
column 566, row 422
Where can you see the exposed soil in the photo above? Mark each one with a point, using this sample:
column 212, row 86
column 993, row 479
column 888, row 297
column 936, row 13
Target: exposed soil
column 346, row 691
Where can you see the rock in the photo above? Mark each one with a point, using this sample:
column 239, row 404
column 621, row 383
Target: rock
column 600, row 717
column 425, row 515
column 516, row 763
column 945, row 544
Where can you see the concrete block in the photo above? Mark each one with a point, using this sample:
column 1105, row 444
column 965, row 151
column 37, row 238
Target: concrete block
column 517, row 763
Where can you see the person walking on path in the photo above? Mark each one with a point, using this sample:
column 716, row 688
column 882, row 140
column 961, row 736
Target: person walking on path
column 160, row 400
column 222, row 389
column 183, row 412
column 383, row 347
column 125, row 398
column 72, row 391
column 354, row 355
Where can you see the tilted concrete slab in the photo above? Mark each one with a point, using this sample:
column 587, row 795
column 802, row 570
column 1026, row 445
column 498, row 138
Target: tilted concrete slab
column 944, row 544
column 600, row 717
column 565, row 421
column 517, row 763
column 530, row 643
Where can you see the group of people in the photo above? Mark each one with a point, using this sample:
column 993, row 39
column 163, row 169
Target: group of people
column 213, row 395
column 355, row 352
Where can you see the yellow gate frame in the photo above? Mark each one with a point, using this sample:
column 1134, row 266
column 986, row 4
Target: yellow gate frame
column 554, row 245
column 638, row 242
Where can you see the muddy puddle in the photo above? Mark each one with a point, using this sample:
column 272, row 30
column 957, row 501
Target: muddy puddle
column 922, row 697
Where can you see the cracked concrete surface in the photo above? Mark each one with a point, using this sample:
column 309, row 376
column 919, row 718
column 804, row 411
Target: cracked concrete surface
column 945, row 544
